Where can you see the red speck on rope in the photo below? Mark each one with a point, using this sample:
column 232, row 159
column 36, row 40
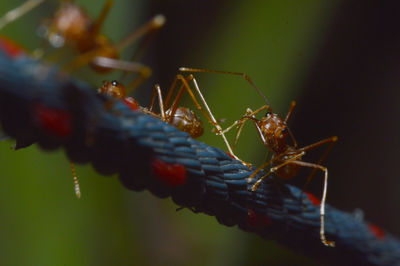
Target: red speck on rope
column 314, row 200
column 377, row 231
column 11, row 48
column 55, row 121
column 172, row 175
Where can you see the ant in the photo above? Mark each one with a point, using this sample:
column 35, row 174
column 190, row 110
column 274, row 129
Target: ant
column 73, row 27
column 286, row 160
column 183, row 118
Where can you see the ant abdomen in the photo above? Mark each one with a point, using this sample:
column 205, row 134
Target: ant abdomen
column 186, row 120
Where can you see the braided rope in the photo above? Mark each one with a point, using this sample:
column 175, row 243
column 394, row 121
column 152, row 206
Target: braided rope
column 204, row 179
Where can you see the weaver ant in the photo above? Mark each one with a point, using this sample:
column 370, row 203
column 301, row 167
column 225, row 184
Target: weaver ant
column 181, row 117
column 286, row 158
column 71, row 26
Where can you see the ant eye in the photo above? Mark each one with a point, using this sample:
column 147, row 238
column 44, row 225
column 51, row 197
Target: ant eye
column 284, row 130
column 114, row 83
column 268, row 113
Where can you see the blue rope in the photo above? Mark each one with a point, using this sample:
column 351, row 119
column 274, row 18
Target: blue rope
column 116, row 139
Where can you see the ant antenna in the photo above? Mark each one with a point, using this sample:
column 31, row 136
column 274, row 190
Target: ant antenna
column 17, row 12
column 186, row 69
column 157, row 22
column 76, row 182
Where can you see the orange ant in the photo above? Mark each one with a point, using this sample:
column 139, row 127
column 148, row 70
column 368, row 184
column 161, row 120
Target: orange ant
column 181, row 117
column 72, row 26
column 287, row 159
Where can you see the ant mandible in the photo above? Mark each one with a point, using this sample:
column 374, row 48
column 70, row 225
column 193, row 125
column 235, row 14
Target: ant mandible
column 287, row 159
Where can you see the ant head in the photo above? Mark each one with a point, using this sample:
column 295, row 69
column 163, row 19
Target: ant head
column 103, row 50
column 282, row 132
column 113, row 89
column 69, row 24
column 275, row 131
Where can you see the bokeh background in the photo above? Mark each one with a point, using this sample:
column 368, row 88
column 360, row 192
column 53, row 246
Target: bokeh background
column 338, row 59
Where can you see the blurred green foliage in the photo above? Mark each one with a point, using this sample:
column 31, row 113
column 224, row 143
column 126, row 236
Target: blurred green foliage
column 41, row 221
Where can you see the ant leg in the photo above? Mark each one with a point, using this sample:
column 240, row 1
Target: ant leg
column 174, row 105
column 157, row 91
column 255, row 186
column 273, row 169
column 249, row 115
column 153, row 25
column 86, row 58
column 289, row 114
column 76, row 182
column 171, row 91
column 94, row 57
column 144, row 74
column 148, row 30
column 323, row 200
column 153, row 100
column 126, row 66
column 18, row 12
column 240, row 128
column 209, row 116
column 212, row 120
column 231, row 126
column 319, row 143
column 332, row 142
column 100, row 20
column 240, row 125
column 185, row 69
column 82, row 60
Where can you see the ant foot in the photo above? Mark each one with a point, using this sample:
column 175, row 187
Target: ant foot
column 255, row 186
column 328, row 243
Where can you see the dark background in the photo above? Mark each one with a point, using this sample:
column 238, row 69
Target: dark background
column 338, row 60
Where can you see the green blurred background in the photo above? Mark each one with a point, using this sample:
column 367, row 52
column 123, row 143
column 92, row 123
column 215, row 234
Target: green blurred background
column 290, row 49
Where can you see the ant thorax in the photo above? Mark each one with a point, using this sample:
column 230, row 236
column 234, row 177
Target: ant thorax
column 289, row 170
column 186, row 120
column 275, row 132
